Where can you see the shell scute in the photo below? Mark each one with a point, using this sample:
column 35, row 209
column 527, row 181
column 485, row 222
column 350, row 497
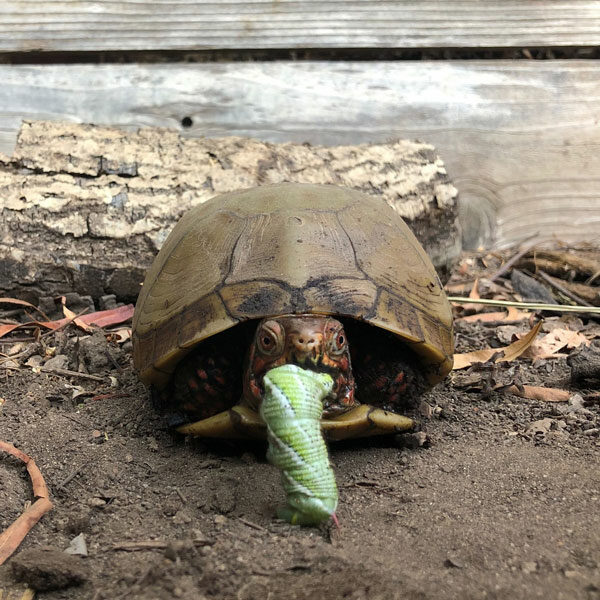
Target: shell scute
column 289, row 248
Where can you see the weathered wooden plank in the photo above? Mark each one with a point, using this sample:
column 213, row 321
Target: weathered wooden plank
column 102, row 25
column 520, row 139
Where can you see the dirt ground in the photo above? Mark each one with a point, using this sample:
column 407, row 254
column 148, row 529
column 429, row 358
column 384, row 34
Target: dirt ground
column 502, row 501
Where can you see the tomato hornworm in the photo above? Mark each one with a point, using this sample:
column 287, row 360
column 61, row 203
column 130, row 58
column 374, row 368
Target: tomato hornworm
column 291, row 407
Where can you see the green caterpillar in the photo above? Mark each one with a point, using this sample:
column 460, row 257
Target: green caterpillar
column 291, row 407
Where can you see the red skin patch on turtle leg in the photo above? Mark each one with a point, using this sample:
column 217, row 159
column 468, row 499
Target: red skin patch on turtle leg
column 392, row 386
column 208, row 380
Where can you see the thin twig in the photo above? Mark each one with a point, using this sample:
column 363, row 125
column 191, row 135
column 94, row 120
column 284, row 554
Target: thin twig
column 141, row 545
column 511, row 261
column 153, row 545
column 72, row 476
column 112, row 360
column 251, row 524
column 69, row 373
column 66, row 324
column 593, row 278
column 30, row 351
column 563, row 290
column 528, row 305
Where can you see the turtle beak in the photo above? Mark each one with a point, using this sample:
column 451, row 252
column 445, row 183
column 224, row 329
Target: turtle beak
column 306, row 347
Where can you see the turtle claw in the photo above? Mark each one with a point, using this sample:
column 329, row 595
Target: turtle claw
column 237, row 422
column 365, row 420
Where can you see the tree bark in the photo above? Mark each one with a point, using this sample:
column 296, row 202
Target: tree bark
column 85, row 209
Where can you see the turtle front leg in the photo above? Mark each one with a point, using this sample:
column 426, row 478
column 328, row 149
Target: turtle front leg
column 365, row 420
column 239, row 422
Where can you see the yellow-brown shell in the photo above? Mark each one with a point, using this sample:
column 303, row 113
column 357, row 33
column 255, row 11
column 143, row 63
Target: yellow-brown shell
column 289, row 248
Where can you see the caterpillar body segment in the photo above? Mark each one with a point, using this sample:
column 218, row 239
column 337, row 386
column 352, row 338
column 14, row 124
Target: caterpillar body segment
column 291, row 407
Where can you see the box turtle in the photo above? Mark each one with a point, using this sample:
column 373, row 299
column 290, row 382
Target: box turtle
column 289, row 310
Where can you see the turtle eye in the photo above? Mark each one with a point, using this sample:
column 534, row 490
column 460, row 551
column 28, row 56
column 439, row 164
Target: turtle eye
column 269, row 338
column 337, row 342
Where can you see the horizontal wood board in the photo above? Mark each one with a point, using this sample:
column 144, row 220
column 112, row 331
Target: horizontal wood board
column 127, row 25
column 521, row 140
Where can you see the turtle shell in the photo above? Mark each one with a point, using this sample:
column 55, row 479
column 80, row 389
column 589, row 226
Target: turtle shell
column 289, row 249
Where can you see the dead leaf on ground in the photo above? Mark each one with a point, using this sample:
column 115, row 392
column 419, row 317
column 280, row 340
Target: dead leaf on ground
column 540, row 427
column 512, row 314
column 535, row 392
column 101, row 318
column 18, row 302
column 6, row 328
column 73, row 317
column 120, row 335
column 553, row 342
column 458, row 288
column 591, row 332
column 508, row 353
column 474, row 295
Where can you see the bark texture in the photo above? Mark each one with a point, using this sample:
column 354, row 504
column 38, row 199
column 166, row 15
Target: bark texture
column 85, row 209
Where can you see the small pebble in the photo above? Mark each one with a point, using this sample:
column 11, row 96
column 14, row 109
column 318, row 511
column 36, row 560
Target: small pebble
column 419, row 439
column 78, row 546
column 425, row 409
column 571, row 574
column 34, row 361
column 96, row 502
column 60, row 361
column 182, row 517
column 529, row 567
column 108, row 302
column 454, row 563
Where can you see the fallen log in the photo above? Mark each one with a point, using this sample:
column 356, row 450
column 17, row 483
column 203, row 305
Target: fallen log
column 85, row 209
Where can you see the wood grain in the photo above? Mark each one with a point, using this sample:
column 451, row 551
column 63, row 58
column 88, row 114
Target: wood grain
column 520, row 139
column 103, row 25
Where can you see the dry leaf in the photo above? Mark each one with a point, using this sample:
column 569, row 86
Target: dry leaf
column 592, row 332
column 119, row 335
column 18, row 302
column 513, row 314
column 473, row 294
column 540, row 427
column 7, row 328
column 483, row 317
column 508, row 353
column 458, row 288
column 557, row 339
column 77, row 320
column 534, row 392
column 507, row 334
column 114, row 316
column 101, row 318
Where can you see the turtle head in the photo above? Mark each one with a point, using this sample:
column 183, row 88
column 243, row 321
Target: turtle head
column 312, row 342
